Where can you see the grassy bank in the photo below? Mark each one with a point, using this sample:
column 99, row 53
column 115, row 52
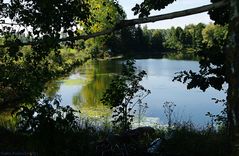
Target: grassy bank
column 87, row 141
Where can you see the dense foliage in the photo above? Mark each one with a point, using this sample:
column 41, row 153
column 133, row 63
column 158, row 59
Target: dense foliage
column 221, row 15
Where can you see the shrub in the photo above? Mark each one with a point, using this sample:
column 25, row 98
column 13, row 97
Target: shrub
column 124, row 93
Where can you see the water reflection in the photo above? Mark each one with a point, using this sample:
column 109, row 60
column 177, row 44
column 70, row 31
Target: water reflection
column 85, row 87
column 91, row 81
column 88, row 98
column 52, row 88
column 98, row 76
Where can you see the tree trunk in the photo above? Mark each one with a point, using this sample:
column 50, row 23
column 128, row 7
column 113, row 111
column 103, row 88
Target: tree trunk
column 232, row 69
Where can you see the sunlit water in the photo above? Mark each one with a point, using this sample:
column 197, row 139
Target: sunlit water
column 85, row 87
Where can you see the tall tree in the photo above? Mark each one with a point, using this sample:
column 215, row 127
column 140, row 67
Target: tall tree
column 198, row 36
column 188, row 38
column 232, row 72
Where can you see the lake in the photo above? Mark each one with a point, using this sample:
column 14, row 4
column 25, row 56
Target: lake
column 84, row 88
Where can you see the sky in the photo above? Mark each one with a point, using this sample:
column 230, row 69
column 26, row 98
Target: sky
column 176, row 6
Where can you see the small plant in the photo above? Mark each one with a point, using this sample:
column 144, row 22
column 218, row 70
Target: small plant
column 168, row 111
column 124, row 93
column 141, row 112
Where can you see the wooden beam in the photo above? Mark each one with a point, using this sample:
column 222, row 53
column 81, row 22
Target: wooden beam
column 131, row 22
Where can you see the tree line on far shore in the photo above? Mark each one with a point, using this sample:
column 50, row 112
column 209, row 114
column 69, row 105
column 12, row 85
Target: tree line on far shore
column 141, row 41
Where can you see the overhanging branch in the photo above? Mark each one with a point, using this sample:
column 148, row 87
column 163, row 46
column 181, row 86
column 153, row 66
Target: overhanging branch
column 131, row 22
column 177, row 14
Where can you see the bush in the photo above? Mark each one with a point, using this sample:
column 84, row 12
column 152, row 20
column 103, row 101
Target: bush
column 124, row 93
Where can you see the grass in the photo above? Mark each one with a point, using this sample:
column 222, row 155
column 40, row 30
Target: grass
column 182, row 140
column 60, row 132
column 187, row 141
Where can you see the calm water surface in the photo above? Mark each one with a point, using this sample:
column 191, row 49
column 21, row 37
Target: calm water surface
column 84, row 88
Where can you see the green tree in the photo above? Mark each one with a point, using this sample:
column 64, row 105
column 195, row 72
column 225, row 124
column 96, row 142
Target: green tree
column 157, row 40
column 140, row 41
column 99, row 21
column 194, row 35
column 147, row 36
column 214, row 35
column 188, row 38
column 172, row 40
column 198, row 37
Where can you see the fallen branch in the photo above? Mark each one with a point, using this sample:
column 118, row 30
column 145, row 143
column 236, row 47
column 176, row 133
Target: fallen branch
column 131, row 22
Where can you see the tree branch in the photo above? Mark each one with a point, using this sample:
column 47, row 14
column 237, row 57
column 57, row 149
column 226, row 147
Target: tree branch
column 177, row 14
column 131, row 22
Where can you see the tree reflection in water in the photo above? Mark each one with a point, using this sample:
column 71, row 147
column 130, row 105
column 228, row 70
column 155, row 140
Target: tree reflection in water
column 98, row 75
